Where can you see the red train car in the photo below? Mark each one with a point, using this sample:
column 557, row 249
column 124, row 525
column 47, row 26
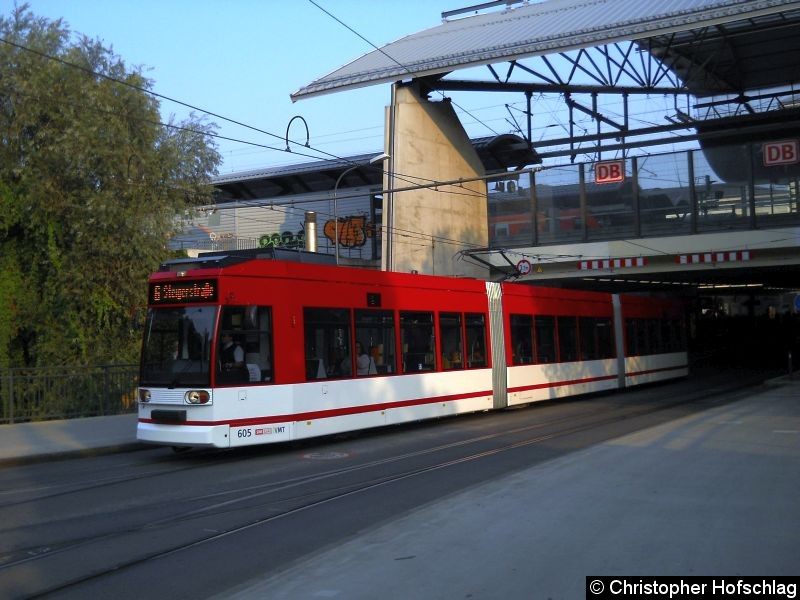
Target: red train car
column 240, row 350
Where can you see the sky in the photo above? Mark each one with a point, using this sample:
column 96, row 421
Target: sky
column 241, row 59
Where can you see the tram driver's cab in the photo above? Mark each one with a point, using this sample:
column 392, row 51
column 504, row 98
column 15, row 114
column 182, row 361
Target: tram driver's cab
column 244, row 345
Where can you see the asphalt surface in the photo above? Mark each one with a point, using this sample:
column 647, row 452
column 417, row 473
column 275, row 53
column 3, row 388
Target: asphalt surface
column 712, row 493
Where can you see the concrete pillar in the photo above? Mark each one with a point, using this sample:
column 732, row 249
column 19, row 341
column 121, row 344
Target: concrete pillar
column 425, row 228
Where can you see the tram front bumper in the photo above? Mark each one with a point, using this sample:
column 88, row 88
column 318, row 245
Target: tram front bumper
column 167, row 434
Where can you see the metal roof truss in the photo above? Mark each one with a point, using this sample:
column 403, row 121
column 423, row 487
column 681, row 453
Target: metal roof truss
column 589, row 80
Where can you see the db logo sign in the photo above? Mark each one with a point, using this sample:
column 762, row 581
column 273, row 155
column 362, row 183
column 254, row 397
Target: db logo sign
column 785, row 152
column 610, row 171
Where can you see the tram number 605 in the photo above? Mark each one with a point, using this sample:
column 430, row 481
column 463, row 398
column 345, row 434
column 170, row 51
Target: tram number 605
column 244, row 433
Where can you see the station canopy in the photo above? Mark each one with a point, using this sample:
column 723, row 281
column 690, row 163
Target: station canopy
column 714, row 46
column 497, row 153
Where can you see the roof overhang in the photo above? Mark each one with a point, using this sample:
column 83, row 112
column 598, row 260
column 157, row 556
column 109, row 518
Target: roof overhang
column 497, row 153
column 535, row 30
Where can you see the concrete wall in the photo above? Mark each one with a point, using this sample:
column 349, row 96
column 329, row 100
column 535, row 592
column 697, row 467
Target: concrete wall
column 425, row 228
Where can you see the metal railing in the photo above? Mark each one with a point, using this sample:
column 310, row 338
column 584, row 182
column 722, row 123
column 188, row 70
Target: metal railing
column 39, row 394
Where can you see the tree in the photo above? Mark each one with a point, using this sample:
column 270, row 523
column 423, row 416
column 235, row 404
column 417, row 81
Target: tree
column 91, row 183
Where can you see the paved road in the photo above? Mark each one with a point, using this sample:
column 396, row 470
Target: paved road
column 714, row 493
column 699, row 492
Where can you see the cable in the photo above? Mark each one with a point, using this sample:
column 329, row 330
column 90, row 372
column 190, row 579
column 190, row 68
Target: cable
column 407, row 233
column 207, row 112
column 135, row 87
column 406, row 178
column 145, row 90
column 395, row 61
column 289, row 209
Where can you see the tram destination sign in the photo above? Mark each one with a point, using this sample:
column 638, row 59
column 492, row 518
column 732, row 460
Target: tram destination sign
column 180, row 292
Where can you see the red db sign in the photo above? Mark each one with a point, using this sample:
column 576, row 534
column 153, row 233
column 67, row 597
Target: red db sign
column 785, row 152
column 610, row 171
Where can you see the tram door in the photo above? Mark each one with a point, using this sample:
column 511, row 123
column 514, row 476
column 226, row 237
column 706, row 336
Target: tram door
column 619, row 339
column 494, row 291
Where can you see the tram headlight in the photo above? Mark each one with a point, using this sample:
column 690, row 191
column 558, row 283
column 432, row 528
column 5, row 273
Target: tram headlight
column 197, row 397
column 144, row 395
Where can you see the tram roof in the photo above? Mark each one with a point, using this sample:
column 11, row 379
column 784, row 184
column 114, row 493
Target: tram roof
column 301, row 265
column 715, row 46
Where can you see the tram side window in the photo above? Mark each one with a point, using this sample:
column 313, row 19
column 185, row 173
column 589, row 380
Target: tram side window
column 327, row 343
column 545, row 332
column 597, row 338
column 452, row 340
column 679, row 326
column 418, row 341
column 521, row 339
column 476, row 340
column 654, row 335
column 375, row 333
column 643, row 340
column 631, row 338
column 668, row 335
column 640, row 339
column 567, row 339
column 245, row 345
column 672, row 335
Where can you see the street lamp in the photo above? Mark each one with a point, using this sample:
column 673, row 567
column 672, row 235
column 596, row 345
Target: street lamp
column 380, row 158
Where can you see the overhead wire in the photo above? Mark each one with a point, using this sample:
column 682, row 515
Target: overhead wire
column 411, row 234
column 394, row 60
column 214, row 135
column 402, row 177
column 288, row 210
column 250, row 203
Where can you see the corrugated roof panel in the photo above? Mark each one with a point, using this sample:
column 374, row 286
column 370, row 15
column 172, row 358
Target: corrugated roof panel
column 534, row 29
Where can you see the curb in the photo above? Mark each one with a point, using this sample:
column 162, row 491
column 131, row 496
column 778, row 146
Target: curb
column 15, row 461
column 788, row 379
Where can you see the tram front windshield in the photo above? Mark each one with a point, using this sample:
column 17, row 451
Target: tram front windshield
column 177, row 346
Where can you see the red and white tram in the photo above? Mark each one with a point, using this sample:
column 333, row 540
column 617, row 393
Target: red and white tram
column 240, row 350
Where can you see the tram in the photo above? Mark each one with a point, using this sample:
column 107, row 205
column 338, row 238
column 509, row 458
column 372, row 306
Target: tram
column 241, row 350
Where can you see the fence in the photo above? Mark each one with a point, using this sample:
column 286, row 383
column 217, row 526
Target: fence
column 39, row 394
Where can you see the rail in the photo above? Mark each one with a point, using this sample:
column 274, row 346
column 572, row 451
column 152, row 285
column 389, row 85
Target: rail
column 45, row 393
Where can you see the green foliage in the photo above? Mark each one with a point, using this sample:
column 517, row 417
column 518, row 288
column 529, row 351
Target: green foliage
column 90, row 185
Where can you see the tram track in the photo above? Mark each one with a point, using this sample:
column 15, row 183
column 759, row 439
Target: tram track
column 219, row 457
column 269, row 500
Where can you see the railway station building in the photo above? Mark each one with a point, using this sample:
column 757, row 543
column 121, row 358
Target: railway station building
column 699, row 196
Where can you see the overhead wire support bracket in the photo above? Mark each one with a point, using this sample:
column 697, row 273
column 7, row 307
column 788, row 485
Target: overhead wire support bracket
column 308, row 137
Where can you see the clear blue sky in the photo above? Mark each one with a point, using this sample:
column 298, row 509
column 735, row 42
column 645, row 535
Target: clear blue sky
column 242, row 58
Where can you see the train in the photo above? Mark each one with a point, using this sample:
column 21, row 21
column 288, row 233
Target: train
column 243, row 349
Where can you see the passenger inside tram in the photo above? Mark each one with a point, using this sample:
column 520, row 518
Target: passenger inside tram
column 231, row 358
